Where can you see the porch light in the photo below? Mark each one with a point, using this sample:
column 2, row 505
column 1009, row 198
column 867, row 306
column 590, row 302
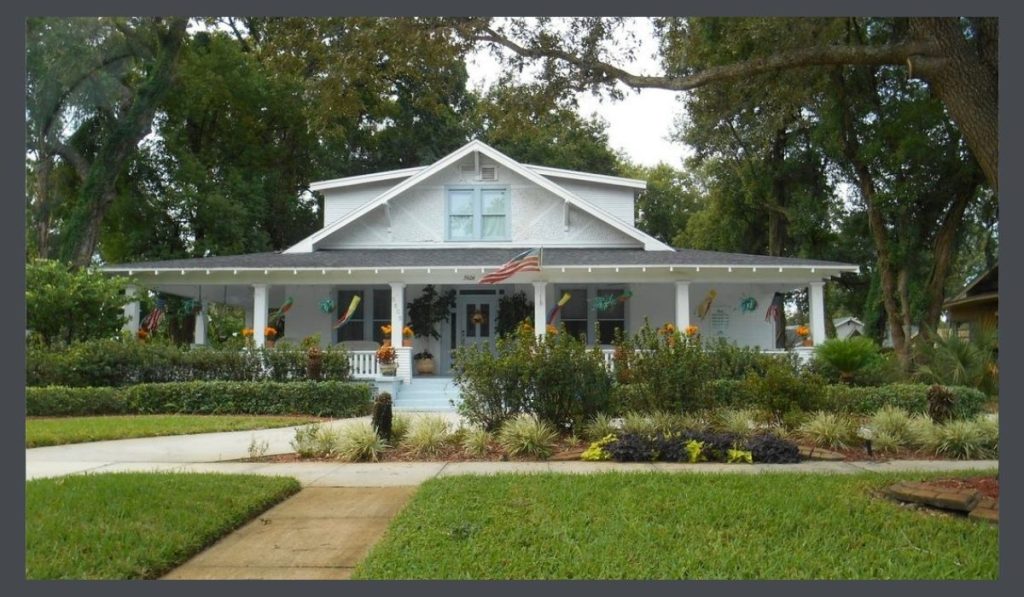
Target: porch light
column 183, row 272
column 616, row 270
column 590, row 270
column 812, row 270
column 295, row 272
column 207, row 272
column 730, row 269
column 323, row 272
column 698, row 269
column 780, row 270
column 156, row 272
column 753, row 269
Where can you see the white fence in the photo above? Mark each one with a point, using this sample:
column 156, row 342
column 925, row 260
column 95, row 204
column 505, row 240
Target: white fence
column 363, row 363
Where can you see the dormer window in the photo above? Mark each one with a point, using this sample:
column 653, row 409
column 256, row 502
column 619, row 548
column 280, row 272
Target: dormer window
column 477, row 213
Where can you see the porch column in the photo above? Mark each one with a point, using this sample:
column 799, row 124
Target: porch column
column 682, row 305
column 816, row 290
column 403, row 354
column 131, row 311
column 199, row 333
column 540, row 308
column 259, row 313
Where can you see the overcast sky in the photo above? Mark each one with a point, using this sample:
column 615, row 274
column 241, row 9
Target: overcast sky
column 638, row 124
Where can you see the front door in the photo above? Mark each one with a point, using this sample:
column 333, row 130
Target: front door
column 475, row 319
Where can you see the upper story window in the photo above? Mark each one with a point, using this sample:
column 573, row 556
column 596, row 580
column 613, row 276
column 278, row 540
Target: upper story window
column 478, row 213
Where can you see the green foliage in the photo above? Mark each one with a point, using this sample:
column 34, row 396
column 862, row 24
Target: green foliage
column 359, row 441
column 315, row 441
column 829, row 430
column 596, row 452
column 54, row 431
column 960, row 439
column 741, row 456
column 513, row 310
column 527, row 435
column 637, row 423
column 954, row 361
column 940, row 404
column 781, row 390
column 322, row 399
column 599, row 426
column 923, row 432
column 911, row 397
column 428, row 435
column 695, row 451
column 848, row 356
column 65, row 304
column 399, row 428
column 430, row 309
column 741, row 422
column 477, row 442
column 125, row 362
column 557, row 378
column 891, row 428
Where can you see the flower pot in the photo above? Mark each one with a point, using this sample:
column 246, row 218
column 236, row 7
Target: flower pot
column 808, row 342
column 425, row 366
column 407, row 342
column 389, row 369
column 268, row 343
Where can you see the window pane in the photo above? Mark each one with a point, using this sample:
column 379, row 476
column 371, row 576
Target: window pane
column 576, row 328
column 378, row 334
column 494, row 227
column 345, row 299
column 494, row 202
column 460, row 203
column 382, row 303
column 576, row 308
column 485, row 327
column 351, row 332
column 460, row 227
column 618, row 308
column 355, row 329
column 608, row 328
column 470, row 325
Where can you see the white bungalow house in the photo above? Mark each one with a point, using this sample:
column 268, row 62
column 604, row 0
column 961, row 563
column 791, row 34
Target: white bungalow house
column 387, row 235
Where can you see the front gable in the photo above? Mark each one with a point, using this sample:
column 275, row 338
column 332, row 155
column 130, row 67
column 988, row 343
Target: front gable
column 449, row 204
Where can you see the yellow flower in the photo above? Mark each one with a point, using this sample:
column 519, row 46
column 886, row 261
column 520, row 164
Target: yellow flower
column 407, row 332
column 269, row 332
column 692, row 330
column 550, row 329
column 668, row 329
column 386, row 329
column 247, row 332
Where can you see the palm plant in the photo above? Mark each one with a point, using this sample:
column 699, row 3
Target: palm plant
column 954, row 361
column 848, row 356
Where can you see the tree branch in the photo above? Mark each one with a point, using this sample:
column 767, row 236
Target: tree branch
column 814, row 56
column 73, row 157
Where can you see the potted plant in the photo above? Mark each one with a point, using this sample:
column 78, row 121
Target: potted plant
column 268, row 336
column 424, row 362
column 425, row 312
column 804, row 332
column 406, row 334
column 386, row 359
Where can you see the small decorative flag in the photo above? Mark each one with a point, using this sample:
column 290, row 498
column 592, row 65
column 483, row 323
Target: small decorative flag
column 349, row 313
column 152, row 321
column 561, row 303
column 527, row 261
column 705, row 305
column 277, row 315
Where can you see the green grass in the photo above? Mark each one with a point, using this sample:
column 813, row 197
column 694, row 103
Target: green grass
column 679, row 526
column 135, row 525
column 52, row 431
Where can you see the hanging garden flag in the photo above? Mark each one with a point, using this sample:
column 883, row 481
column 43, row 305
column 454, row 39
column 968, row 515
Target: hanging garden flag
column 152, row 321
column 705, row 305
column 349, row 313
column 603, row 303
column 561, row 303
column 277, row 315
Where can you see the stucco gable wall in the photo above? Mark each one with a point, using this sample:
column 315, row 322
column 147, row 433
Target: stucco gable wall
column 417, row 218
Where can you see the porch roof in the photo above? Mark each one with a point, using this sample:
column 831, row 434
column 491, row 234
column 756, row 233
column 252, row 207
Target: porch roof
column 477, row 257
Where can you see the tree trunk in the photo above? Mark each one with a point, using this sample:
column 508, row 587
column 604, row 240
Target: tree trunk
column 42, row 208
column 777, row 202
column 942, row 257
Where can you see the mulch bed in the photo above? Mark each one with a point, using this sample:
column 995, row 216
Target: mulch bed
column 564, row 450
column 987, row 486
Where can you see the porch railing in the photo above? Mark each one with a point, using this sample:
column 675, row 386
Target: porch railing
column 363, row 363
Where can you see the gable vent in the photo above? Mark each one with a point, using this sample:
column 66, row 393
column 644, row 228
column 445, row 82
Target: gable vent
column 488, row 173
column 467, row 172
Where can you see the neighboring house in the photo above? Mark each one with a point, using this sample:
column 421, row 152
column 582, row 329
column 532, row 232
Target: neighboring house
column 976, row 307
column 386, row 235
column 847, row 327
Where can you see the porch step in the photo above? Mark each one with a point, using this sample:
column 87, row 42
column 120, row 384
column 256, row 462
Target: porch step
column 427, row 394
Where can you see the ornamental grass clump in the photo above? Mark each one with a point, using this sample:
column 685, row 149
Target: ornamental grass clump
column 399, row 428
column 988, row 427
column 525, row 435
column 739, row 422
column 636, row 423
column 923, row 432
column 599, row 426
column 359, row 442
column 315, row 441
column 477, row 442
column 890, row 427
column 428, row 435
column 828, row 430
column 960, row 439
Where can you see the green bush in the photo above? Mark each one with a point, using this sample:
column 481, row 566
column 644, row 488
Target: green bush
column 556, row 378
column 428, row 435
column 359, row 442
column 829, row 430
column 968, row 402
column 59, row 401
column 848, row 356
column 528, row 436
column 780, row 389
column 65, row 304
column 122, row 362
column 323, row 399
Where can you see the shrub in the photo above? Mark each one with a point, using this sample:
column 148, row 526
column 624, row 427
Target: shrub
column 988, row 428
column 598, row 427
column 359, row 441
column 596, row 452
column 773, row 450
column 65, row 304
column 911, row 397
column 477, row 442
column 953, row 361
column 637, row 423
column 829, row 430
column 923, row 432
column 315, row 441
column 890, row 426
column 381, row 417
column 780, row 389
column 940, row 404
column 428, row 435
column 884, row 441
column 848, row 356
column 399, row 428
column 631, row 447
column 322, row 399
column 57, row 401
column 960, row 439
column 739, row 422
column 527, row 435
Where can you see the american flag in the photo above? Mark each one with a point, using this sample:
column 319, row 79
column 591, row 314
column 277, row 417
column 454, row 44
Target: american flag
column 152, row 321
column 527, row 261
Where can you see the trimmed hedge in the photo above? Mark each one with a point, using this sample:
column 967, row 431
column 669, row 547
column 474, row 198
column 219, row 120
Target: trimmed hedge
column 968, row 402
column 103, row 363
column 322, row 399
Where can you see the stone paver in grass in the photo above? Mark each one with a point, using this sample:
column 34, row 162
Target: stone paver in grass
column 962, row 500
column 320, row 533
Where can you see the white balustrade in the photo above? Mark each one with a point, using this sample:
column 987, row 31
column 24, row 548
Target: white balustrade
column 363, row 364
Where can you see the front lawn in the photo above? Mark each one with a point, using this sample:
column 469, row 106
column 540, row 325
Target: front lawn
column 136, row 525
column 684, row 526
column 51, row 431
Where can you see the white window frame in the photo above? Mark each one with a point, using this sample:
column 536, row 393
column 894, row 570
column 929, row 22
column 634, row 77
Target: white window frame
column 591, row 290
column 478, row 214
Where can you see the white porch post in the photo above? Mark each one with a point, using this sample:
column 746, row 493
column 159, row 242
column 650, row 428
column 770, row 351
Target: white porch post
column 817, row 296
column 131, row 311
column 199, row 335
column 540, row 308
column 403, row 354
column 682, row 305
column 259, row 312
